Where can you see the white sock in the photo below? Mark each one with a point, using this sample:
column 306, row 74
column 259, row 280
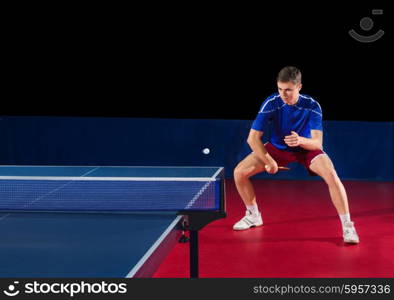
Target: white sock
column 253, row 209
column 345, row 218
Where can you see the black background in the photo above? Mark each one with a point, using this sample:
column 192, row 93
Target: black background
column 192, row 61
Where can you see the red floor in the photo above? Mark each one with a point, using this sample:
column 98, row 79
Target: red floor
column 301, row 235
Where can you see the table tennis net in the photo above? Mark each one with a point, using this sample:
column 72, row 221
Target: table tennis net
column 111, row 195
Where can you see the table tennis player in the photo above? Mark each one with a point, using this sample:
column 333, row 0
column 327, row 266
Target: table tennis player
column 297, row 136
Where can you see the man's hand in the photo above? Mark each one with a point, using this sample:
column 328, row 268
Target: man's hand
column 293, row 140
column 272, row 167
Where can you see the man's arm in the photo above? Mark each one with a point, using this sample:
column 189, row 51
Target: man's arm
column 254, row 141
column 313, row 143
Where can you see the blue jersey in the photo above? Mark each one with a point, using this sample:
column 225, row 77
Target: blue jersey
column 301, row 117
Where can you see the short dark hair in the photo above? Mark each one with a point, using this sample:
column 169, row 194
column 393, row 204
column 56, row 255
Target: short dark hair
column 289, row 73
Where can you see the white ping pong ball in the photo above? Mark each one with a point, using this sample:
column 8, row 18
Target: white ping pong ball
column 206, row 151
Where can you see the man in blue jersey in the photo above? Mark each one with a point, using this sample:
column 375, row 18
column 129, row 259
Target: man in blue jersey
column 297, row 136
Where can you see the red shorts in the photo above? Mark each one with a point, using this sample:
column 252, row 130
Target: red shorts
column 283, row 158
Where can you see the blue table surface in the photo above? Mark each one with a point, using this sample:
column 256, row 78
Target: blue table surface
column 82, row 244
column 103, row 171
column 77, row 244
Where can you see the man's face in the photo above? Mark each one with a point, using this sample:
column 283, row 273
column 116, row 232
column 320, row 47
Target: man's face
column 289, row 91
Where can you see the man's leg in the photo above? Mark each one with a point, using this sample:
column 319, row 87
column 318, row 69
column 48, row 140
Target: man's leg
column 248, row 167
column 323, row 166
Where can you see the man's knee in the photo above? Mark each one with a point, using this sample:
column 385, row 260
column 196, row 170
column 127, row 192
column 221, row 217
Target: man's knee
column 330, row 176
column 325, row 169
column 241, row 172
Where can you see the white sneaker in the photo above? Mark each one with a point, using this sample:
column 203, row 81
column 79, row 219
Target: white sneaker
column 349, row 234
column 248, row 221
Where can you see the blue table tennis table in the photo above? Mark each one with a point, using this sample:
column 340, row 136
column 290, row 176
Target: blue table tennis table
column 77, row 221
